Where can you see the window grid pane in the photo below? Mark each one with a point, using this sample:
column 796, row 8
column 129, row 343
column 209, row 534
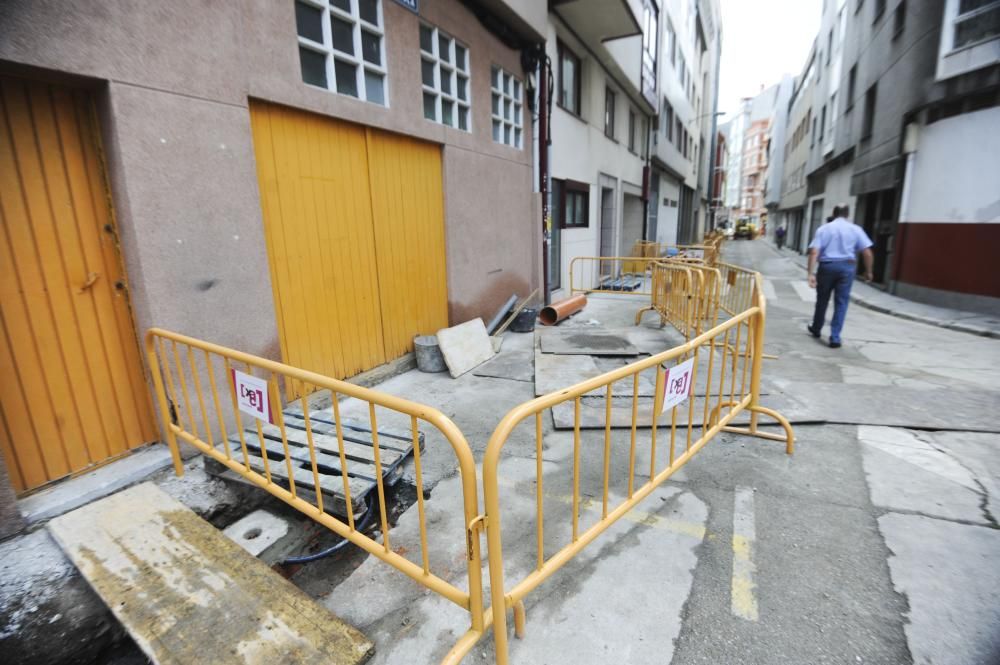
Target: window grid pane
column 336, row 53
column 445, row 79
column 506, row 108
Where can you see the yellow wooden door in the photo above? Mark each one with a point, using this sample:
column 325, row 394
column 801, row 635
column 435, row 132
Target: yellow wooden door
column 72, row 389
column 408, row 205
column 354, row 223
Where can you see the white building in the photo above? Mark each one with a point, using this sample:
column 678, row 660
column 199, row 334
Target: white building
column 604, row 57
column 684, row 139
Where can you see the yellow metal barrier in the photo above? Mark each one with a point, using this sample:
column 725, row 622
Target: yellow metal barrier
column 724, row 395
column 610, row 274
column 183, row 366
column 736, row 288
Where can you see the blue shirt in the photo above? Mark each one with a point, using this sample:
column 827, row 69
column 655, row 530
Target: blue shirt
column 840, row 240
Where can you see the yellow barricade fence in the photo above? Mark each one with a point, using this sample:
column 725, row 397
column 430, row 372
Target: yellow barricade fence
column 719, row 389
column 685, row 295
column 610, row 274
column 717, row 370
column 736, row 288
column 194, row 384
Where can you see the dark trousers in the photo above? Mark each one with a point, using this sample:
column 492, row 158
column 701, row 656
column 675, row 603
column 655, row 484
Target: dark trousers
column 833, row 277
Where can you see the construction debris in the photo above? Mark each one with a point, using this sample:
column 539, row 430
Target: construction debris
column 465, row 346
column 562, row 309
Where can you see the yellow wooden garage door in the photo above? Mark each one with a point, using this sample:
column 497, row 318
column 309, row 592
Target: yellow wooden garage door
column 354, row 222
column 72, row 391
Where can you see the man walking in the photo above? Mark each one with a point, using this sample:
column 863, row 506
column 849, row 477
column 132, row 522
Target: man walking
column 779, row 236
column 835, row 248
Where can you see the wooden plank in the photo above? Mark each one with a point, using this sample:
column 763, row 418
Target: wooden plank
column 187, row 594
column 357, row 446
column 331, row 485
column 360, row 427
column 355, row 468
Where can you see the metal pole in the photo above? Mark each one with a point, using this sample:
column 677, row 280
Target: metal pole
column 543, row 172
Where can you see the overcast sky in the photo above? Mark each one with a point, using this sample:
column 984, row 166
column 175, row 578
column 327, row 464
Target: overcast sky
column 761, row 40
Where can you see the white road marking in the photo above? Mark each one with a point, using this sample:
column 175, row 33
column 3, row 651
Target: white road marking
column 769, row 292
column 802, row 288
column 743, row 596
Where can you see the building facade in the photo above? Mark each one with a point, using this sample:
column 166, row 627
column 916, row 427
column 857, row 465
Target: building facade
column 681, row 157
column 314, row 181
column 757, row 116
column 904, row 109
column 604, row 58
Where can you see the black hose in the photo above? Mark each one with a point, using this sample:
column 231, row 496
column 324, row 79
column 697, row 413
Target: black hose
column 358, row 526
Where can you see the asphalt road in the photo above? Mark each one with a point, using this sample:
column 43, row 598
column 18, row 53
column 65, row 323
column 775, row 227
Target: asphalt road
column 874, row 543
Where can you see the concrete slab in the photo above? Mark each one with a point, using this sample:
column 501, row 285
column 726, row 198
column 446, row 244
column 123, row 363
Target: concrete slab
column 586, row 342
column 72, row 493
column 187, row 594
column 257, row 531
column 555, row 372
column 465, row 346
column 908, row 473
column 804, row 291
column 950, row 573
column 514, row 365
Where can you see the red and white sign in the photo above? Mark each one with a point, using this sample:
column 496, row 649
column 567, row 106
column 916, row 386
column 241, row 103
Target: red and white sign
column 677, row 384
column 251, row 395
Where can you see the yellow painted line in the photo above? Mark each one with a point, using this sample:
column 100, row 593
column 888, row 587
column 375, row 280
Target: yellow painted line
column 743, row 596
column 692, row 529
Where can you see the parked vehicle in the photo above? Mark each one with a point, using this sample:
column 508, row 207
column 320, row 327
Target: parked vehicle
column 746, row 229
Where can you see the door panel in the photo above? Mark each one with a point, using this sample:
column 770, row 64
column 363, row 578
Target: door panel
column 408, row 211
column 77, row 393
column 354, row 223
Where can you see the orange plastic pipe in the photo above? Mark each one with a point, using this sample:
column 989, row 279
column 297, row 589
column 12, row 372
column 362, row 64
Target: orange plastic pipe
column 561, row 309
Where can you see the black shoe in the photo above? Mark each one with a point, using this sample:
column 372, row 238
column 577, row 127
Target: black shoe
column 812, row 332
column 834, row 345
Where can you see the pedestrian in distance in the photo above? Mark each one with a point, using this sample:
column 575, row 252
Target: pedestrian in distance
column 779, row 236
column 835, row 250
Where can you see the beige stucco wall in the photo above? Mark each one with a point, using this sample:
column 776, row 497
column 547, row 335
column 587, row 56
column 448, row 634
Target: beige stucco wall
column 173, row 83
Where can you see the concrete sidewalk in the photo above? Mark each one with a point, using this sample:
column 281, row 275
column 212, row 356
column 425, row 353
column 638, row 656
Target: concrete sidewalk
column 880, row 301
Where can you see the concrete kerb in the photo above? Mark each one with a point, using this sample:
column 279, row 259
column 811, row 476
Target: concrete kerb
column 950, row 323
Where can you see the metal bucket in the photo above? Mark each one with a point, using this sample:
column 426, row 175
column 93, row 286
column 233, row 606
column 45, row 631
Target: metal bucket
column 429, row 357
column 524, row 321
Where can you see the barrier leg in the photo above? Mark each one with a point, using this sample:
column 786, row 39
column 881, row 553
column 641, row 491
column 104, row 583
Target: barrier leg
column 788, row 439
column 519, row 619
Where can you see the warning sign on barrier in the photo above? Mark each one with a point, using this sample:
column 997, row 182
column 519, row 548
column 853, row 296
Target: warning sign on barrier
column 251, row 395
column 677, row 382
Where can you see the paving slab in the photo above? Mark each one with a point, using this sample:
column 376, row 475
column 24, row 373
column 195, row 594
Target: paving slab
column 513, row 365
column 554, row 372
column 950, row 575
column 586, row 342
column 187, row 594
column 465, row 346
column 908, row 472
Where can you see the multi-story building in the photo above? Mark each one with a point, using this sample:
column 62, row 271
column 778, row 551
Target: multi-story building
column 754, row 159
column 309, row 180
column 795, row 157
column 682, row 143
column 734, row 165
column 718, row 212
column 604, row 60
column 774, row 174
column 904, row 110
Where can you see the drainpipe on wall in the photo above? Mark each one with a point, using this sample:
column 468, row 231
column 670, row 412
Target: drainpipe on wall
column 543, row 177
column 536, row 61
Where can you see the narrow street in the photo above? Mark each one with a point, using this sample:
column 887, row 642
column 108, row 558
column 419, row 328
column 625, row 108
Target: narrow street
column 874, row 544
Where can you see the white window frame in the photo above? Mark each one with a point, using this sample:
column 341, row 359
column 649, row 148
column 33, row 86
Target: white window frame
column 956, row 60
column 357, row 60
column 511, row 91
column 456, row 72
